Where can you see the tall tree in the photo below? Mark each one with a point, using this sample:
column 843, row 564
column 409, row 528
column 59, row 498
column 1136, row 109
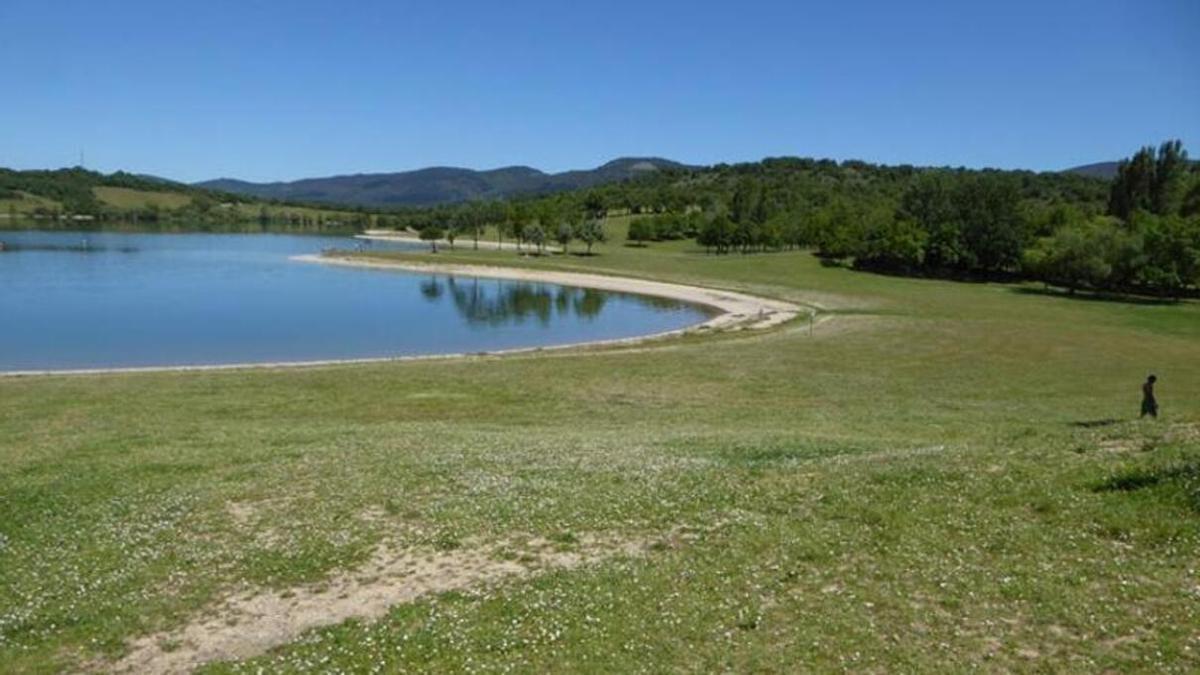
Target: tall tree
column 590, row 232
column 993, row 229
column 564, row 234
column 1133, row 187
column 431, row 233
column 536, row 235
column 1170, row 172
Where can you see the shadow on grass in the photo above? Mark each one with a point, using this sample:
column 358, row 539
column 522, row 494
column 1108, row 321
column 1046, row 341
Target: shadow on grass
column 772, row 452
column 1139, row 478
column 1095, row 297
column 1092, row 424
column 1181, row 479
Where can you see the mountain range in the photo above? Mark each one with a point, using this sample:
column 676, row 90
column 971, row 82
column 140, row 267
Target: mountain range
column 440, row 185
column 449, row 185
column 1105, row 170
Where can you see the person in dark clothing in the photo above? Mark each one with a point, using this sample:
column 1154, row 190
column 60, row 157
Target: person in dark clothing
column 1149, row 403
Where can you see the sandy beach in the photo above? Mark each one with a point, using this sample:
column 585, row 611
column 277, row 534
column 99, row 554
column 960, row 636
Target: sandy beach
column 460, row 242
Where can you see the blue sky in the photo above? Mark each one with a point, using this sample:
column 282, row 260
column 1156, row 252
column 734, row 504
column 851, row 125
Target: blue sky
column 283, row 90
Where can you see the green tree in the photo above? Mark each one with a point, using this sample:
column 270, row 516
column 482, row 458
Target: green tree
column 594, row 205
column 1170, row 174
column 929, row 204
column 892, row 244
column 1077, row 256
column 518, row 219
column 431, row 233
column 640, row 231
column 472, row 220
column 1150, row 182
column 536, row 235
column 591, row 232
column 564, row 234
column 1191, row 201
column 717, row 234
column 838, row 231
column 745, row 202
column 993, row 229
column 1171, row 245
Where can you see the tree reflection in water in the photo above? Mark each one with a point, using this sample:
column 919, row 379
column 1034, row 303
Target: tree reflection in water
column 495, row 302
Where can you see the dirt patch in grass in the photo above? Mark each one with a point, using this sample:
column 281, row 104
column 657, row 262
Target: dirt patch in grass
column 241, row 513
column 249, row 623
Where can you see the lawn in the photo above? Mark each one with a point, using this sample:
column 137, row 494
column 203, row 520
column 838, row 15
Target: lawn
column 941, row 476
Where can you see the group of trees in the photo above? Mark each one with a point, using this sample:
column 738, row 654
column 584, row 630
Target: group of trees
column 72, row 188
column 1149, row 240
column 530, row 225
column 1163, row 184
column 1144, row 238
column 967, row 223
column 666, row 227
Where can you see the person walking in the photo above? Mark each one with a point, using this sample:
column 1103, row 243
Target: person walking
column 1149, row 403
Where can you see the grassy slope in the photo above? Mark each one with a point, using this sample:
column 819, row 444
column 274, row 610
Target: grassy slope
column 251, row 210
column 27, row 204
column 909, row 488
column 126, row 198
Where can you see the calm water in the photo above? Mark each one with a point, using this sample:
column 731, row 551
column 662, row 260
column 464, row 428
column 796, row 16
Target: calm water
column 89, row 300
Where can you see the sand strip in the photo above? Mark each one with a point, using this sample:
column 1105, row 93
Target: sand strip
column 461, row 242
column 734, row 311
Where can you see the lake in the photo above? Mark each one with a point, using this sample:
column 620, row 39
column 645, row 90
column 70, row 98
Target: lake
column 72, row 300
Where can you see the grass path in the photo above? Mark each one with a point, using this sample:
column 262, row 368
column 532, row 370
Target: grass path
column 947, row 476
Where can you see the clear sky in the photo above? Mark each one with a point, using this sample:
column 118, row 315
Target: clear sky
column 282, row 90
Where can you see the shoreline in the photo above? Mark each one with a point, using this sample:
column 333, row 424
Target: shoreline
column 466, row 243
column 735, row 311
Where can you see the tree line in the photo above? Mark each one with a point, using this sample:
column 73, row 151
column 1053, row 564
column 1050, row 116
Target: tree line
column 1148, row 241
column 1143, row 238
column 1136, row 233
column 530, row 225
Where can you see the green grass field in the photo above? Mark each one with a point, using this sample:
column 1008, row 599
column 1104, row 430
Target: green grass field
column 168, row 201
column 126, row 198
column 25, row 205
column 942, row 476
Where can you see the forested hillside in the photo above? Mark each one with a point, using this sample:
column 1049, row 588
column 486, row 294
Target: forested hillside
column 442, row 185
column 1137, row 233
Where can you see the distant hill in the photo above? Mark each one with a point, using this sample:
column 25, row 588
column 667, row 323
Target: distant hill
column 59, row 198
column 1105, row 170
column 440, row 185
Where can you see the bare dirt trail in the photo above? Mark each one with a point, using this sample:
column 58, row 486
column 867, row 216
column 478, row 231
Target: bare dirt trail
column 247, row 624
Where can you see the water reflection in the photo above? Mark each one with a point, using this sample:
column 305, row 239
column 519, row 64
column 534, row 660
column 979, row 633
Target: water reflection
column 82, row 247
column 487, row 302
column 100, row 299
